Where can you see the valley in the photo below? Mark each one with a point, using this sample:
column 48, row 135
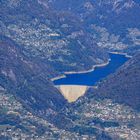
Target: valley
column 73, row 85
column 58, row 79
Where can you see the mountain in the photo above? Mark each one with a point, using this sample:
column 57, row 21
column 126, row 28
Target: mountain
column 124, row 85
column 51, row 36
column 16, row 122
column 34, row 37
column 26, row 78
column 92, row 116
column 112, row 23
column 112, row 107
column 42, row 39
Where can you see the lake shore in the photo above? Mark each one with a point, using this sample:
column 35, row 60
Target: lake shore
column 125, row 54
column 90, row 70
column 58, row 77
column 79, row 72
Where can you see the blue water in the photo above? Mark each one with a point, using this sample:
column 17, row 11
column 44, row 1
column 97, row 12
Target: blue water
column 91, row 78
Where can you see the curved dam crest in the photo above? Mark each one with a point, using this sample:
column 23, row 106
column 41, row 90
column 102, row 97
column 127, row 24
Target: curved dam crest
column 74, row 85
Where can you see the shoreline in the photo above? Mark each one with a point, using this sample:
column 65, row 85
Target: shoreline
column 121, row 53
column 58, row 77
column 90, row 70
column 80, row 72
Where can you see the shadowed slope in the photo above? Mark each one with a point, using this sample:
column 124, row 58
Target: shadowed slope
column 27, row 78
column 124, row 85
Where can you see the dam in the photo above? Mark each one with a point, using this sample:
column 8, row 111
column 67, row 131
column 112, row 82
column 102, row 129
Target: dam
column 74, row 85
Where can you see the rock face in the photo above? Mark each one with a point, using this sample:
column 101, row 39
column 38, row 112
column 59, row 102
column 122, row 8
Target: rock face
column 72, row 92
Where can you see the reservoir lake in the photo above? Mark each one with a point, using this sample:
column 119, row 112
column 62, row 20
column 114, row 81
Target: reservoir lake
column 92, row 77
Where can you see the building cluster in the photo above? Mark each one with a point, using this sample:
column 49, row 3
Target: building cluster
column 30, row 127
